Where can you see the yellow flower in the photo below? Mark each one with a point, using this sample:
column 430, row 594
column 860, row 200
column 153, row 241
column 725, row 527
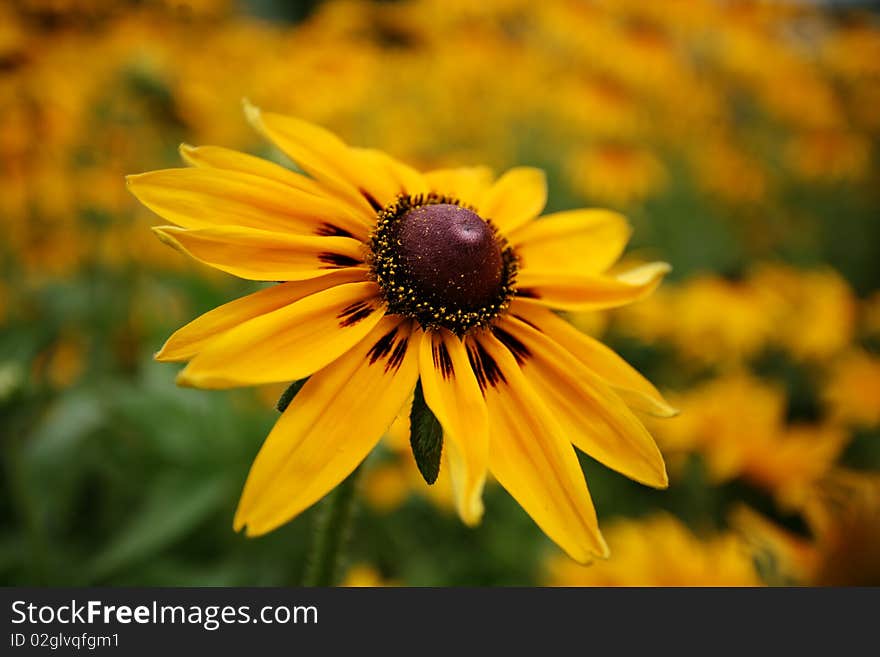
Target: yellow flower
column 854, row 50
column 710, row 320
column 602, row 106
column 737, row 422
column 364, row 575
column 724, row 169
column 386, row 486
column 815, row 310
column 853, row 389
column 829, row 155
column 719, row 320
column 393, row 278
column 661, row 551
column 843, row 515
column 616, row 173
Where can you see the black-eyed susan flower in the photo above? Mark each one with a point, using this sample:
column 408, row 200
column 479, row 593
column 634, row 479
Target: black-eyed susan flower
column 392, row 284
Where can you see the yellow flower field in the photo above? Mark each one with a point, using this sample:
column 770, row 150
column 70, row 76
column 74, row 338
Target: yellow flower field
column 576, row 293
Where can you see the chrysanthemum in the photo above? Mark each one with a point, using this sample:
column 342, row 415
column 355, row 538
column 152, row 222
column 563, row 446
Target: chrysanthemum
column 394, row 285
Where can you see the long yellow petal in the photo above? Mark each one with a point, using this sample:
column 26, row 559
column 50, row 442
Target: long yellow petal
column 324, row 156
column 596, row 420
column 260, row 255
column 188, row 340
column 516, row 198
column 218, row 157
column 581, row 292
column 629, row 384
column 332, row 424
column 467, row 184
column 207, row 198
column 572, row 242
column 529, row 455
column 452, row 393
column 224, row 158
column 290, row 343
column 406, row 179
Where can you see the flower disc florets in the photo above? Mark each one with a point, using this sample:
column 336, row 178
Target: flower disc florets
column 440, row 263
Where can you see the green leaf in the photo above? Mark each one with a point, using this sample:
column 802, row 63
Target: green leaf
column 174, row 506
column 426, row 437
column 59, row 437
column 288, row 395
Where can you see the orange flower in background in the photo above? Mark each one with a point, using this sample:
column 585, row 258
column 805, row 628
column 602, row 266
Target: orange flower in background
column 619, row 174
column 364, row 575
column 811, row 314
column 396, row 281
column 829, row 156
column 709, row 319
column 843, row 516
column 852, row 391
column 724, row 169
column 737, row 423
column 661, row 551
column 814, row 310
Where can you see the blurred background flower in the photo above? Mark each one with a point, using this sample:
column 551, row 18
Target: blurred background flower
column 740, row 137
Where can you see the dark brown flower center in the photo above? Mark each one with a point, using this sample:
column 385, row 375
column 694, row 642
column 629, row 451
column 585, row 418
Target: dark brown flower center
column 449, row 252
column 441, row 263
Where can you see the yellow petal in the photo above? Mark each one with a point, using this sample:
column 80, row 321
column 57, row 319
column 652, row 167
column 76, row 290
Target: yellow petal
column 631, row 386
column 207, row 198
column 573, row 242
column 187, row 341
column 406, row 179
column 260, row 255
column 529, row 455
column 596, row 420
column 466, row 184
column 290, row 343
column 223, row 158
column 583, row 292
column 516, row 198
column 330, row 427
column 327, row 158
column 452, row 393
column 217, row 157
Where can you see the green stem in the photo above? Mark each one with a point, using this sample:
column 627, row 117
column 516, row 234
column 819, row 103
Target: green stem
column 331, row 533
